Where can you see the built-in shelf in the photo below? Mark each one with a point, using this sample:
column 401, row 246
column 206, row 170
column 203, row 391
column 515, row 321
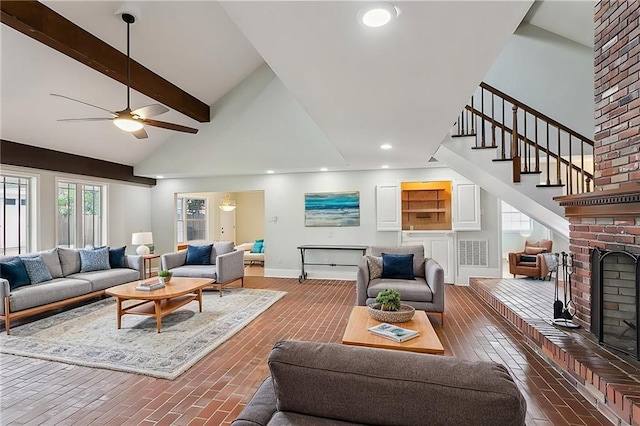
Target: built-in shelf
column 426, row 206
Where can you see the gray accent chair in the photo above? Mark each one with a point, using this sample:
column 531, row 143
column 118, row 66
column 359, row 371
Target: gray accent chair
column 227, row 265
column 425, row 293
column 330, row 384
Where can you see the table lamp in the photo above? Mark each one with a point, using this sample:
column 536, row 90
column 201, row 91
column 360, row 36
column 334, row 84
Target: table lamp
column 140, row 239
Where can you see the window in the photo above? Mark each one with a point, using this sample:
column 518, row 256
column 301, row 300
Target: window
column 15, row 216
column 81, row 214
column 513, row 220
column 191, row 217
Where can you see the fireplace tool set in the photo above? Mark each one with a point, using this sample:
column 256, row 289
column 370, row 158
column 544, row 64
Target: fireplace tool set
column 563, row 312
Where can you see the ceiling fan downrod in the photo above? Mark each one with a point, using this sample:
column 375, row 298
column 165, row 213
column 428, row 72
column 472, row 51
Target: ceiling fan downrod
column 129, row 19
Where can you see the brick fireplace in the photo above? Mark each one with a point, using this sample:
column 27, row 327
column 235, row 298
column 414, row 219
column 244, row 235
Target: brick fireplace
column 609, row 217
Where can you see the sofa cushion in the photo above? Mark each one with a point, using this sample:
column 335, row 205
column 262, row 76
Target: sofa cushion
column 47, row 292
column 36, row 269
column 117, row 257
column 106, row 278
column 13, row 270
column 416, row 290
column 397, row 266
column 222, row 247
column 285, row 418
column 199, row 255
column 195, row 271
column 347, row 383
column 374, row 263
column 416, row 250
column 69, row 260
column 94, row 260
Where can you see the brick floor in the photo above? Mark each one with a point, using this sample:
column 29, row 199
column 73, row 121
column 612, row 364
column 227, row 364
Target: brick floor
column 217, row 388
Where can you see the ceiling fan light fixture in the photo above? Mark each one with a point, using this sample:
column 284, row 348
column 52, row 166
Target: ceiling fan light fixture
column 128, row 124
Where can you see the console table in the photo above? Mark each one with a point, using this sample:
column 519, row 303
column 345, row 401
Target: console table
column 303, row 249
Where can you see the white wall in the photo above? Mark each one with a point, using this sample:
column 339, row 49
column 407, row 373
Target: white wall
column 549, row 73
column 284, row 198
column 129, row 208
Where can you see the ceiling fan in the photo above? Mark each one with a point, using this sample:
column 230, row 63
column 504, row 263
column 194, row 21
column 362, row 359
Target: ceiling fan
column 128, row 120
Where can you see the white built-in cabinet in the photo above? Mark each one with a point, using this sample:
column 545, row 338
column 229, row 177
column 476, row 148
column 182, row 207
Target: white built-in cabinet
column 388, row 216
column 466, row 207
column 439, row 244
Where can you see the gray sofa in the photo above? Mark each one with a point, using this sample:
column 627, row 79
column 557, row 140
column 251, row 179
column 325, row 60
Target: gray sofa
column 226, row 265
column 315, row 384
column 68, row 285
column 425, row 293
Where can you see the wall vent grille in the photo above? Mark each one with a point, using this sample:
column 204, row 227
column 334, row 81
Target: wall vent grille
column 473, row 253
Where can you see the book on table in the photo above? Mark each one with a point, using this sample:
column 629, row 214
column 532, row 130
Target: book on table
column 393, row 332
column 150, row 286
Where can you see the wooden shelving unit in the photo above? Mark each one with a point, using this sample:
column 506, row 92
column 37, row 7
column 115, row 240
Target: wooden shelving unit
column 426, row 206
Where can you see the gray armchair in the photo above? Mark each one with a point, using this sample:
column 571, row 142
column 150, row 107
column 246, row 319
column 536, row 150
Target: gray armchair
column 227, row 265
column 425, row 293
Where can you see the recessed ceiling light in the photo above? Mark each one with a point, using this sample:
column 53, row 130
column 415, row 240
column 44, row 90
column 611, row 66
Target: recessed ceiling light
column 270, row 172
column 324, row 169
column 385, row 167
column 385, row 146
column 377, row 14
column 159, row 177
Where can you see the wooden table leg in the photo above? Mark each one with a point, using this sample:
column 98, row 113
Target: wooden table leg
column 158, row 308
column 199, row 297
column 119, row 311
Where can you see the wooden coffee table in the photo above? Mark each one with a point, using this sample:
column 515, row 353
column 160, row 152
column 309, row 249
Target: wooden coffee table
column 160, row 302
column 357, row 333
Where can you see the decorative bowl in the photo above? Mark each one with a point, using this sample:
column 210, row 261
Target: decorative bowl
column 405, row 313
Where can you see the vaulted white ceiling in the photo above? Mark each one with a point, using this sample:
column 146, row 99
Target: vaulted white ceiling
column 332, row 92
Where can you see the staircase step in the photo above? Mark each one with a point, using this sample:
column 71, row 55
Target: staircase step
column 484, row 147
column 502, row 159
column 531, row 173
column 553, row 185
column 463, row 136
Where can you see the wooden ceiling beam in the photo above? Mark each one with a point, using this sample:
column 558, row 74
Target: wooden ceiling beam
column 37, row 21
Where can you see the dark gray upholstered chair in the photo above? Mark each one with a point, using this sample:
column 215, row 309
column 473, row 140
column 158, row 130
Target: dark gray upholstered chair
column 329, row 384
column 425, row 293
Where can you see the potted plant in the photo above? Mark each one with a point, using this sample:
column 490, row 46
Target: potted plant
column 388, row 307
column 165, row 276
column 389, row 300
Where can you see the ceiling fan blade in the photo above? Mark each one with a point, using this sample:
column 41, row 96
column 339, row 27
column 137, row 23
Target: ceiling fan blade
column 140, row 134
column 85, row 103
column 150, row 110
column 170, row 126
column 88, row 119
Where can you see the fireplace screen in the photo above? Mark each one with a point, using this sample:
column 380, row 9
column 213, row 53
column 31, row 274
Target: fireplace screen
column 615, row 308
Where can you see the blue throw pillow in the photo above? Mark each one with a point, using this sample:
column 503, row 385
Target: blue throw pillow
column 36, row 269
column 117, row 257
column 94, row 260
column 199, row 255
column 397, row 266
column 14, row 272
column 257, row 246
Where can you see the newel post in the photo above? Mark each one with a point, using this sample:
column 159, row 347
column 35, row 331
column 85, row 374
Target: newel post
column 514, row 146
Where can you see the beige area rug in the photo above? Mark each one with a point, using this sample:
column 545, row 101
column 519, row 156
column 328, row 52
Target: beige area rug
column 88, row 335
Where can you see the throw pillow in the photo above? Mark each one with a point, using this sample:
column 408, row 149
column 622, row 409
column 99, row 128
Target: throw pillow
column 117, row 257
column 94, row 260
column 14, row 272
column 52, row 260
column 262, row 249
column 397, row 266
column 534, row 250
column 199, row 255
column 69, row 260
column 36, row 269
column 528, row 258
column 375, row 267
column 257, row 246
